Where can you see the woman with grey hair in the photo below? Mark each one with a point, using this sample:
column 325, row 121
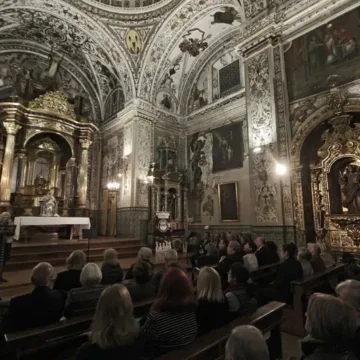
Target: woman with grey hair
column 304, row 257
column 83, row 300
column 246, row 342
column 111, row 268
column 144, row 254
column 70, row 278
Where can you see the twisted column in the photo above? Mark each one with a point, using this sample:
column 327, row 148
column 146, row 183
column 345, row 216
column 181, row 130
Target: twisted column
column 5, row 191
column 83, row 174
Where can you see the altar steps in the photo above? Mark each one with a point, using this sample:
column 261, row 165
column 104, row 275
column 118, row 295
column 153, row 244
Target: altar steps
column 27, row 255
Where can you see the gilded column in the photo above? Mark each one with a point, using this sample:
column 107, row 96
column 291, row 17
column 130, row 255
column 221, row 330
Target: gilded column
column 22, row 170
column 11, row 128
column 83, row 173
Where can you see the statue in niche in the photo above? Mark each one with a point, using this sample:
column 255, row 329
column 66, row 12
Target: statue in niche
column 48, row 206
column 350, row 186
column 166, row 101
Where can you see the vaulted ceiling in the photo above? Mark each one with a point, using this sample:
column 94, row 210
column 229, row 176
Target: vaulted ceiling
column 139, row 48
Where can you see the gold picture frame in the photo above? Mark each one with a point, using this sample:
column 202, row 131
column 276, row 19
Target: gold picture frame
column 228, row 202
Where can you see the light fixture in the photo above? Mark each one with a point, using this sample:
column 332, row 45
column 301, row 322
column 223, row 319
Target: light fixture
column 119, row 175
column 257, row 150
column 281, row 169
column 113, row 186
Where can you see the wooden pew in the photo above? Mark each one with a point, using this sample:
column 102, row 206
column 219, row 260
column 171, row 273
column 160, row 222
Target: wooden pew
column 294, row 322
column 212, row 345
column 266, row 272
column 62, row 334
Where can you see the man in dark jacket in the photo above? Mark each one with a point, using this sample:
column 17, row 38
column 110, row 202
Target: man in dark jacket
column 41, row 307
column 262, row 253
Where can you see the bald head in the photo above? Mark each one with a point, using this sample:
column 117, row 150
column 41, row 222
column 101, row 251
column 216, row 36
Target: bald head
column 246, row 343
column 42, row 274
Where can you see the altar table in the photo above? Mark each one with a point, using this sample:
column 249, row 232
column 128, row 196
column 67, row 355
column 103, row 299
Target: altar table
column 83, row 222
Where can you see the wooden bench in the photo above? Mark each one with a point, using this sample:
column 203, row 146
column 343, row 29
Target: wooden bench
column 266, row 272
column 62, row 334
column 212, row 345
column 294, row 322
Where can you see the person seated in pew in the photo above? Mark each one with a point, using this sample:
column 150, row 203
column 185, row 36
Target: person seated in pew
column 200, row 249
column 144, row 254
column 316, row 262
column 250, row 259
column 331, row 325
column 115, row 333
column 212, row 256
column 171, row 257
column 349, row 291
column 223, row 244
column 263, row 253
column 240, row 294
column 111, row 269
column 213, row 306
column 246, row 342
column 304, row 257
column 83, row 300
column 274, row 253
column 352, row 270
column 142, row 286
column 70, row 278
column 43, row 306
column 171, row 322
column 325, row 255
column 234, row 255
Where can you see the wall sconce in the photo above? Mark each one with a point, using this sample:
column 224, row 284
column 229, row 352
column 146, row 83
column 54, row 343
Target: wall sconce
column 113, row 186
column 281, row 169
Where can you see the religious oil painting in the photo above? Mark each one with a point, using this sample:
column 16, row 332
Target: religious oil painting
column 228, row 147
column 332, row 49
column 228, row 201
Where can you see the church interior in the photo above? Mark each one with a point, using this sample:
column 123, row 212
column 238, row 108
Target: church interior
column 172, row 125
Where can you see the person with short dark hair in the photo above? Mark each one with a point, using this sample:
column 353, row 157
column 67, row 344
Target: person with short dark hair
column 317, row 263
column 274, row 255
column 250, row 259
column 171, row 322
column 43, row 306
column 240, row 293
column 331, row 324
column 304, row 257
column 263, row 254
column 142, row 286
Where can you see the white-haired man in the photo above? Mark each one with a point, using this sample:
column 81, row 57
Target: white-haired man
column 144, row 254
column 246, row 343
column 41, row 307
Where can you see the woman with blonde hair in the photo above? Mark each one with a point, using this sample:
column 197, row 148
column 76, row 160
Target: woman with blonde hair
column 115, row 333
column 213, row 307
column 331, row 325
column 112, row 272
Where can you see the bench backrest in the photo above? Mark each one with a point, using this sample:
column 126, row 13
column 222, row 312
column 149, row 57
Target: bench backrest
column 265, row 318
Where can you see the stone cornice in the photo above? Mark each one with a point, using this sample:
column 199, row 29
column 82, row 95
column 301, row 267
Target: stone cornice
column 218, row 113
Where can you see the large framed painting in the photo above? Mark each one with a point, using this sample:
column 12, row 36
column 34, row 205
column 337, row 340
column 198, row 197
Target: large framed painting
column 331, row 51
column 228, row 201
column 228, row 147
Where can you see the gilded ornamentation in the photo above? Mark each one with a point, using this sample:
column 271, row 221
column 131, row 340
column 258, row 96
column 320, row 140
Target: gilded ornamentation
column 54, row 102
column 344, row 231
column 259, row 101
column 11, row 127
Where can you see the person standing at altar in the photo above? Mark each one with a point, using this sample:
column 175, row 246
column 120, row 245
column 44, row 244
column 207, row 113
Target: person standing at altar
column 43, row 306
column 5, row 220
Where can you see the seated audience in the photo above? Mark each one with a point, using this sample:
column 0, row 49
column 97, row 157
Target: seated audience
column 263, row 254
column 246, row 342
column 200, row 249
column 112, row 272
column 274, row 255
column 171, row 257
column 234, row 255
column 70, row 278
column 142, row 286
column 115, row 333
column 349, row 291
column 213, row 307
column 83, row 300
column 171, row 322
column 331, row 324
column 328, row 259
column 212, row 256
column 223, row 244
column 304, row 257
column 289, row 270
column 240, row 293
column 144, row 254
column 41, row 307
column 250, row 259
column 316, row 262
column 352, row 270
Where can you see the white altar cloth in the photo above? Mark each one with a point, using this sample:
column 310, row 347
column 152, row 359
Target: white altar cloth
column 84, row 222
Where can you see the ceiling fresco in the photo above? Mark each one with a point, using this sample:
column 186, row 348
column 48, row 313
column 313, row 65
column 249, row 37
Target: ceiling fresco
column 144, row 48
